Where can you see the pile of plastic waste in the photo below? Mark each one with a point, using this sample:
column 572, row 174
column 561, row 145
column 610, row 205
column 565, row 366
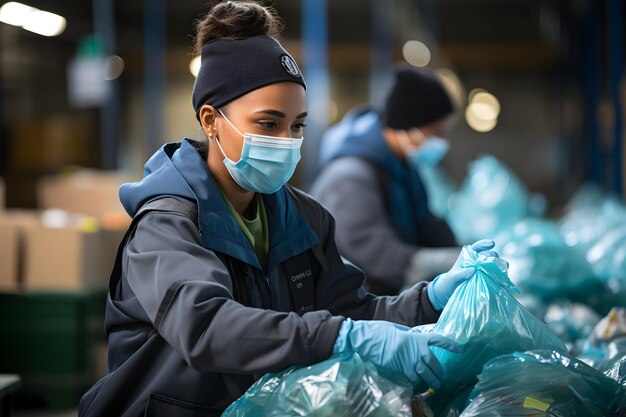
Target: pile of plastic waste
column 544, row 351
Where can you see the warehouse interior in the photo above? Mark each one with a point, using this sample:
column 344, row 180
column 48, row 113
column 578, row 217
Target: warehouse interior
column 538, row 90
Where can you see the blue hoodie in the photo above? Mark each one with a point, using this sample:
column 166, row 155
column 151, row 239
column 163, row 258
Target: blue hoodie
column 359, row 134
column 178, row 170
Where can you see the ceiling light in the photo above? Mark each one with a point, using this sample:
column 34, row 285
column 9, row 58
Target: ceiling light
column 32, row 19
column 416, row 53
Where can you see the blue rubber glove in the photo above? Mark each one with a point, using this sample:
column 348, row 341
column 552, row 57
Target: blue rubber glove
column 442, row 287
column 394, row 346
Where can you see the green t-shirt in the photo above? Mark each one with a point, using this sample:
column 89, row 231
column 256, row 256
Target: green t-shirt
column 255, row 230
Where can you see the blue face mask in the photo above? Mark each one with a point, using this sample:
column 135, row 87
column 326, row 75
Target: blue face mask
column 266, row 162
column 429, row 153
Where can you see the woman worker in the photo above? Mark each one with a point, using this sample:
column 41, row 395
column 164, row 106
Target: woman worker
column 227, row 273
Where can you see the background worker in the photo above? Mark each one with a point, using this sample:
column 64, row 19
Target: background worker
column 369, row 180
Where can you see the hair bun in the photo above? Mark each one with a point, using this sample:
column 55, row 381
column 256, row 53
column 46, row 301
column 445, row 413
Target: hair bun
column 236, row 20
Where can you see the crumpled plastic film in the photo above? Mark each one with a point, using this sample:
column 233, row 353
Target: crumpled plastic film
column 607, row 343
column 572, row 322
column 616, row 369
column 591, row 214
column 542, row 264
column 490, row 198
column 543, row 383
column 343, row 385
column 484, row 317
column 608, row 256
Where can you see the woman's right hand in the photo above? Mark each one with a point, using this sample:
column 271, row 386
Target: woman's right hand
column 394, row 346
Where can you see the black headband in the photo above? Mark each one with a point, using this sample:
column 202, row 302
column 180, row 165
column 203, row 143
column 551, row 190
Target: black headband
column 232, row 68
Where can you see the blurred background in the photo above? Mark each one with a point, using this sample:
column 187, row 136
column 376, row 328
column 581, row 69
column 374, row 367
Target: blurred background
column 93, row 88
column 555, row 69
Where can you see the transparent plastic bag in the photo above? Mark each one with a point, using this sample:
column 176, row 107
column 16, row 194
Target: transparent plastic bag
column 439, row 187
column 544, row 383
column 616, row 369
column 608, row 256
column 490, row 198
column 484, row 317
column 607, row 341
column 343, row 385
column 541, row 263
column 572, row 322
column 590, row 215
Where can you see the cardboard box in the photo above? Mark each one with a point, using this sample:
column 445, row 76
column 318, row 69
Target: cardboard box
column 67, row 259
column 13, row 227
column 9, row 244
column 86, row 191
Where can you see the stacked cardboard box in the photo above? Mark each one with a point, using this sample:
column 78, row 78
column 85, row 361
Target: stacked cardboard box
column 69, row 258
column 14, row 226
column 74, row 254
column 86, row 191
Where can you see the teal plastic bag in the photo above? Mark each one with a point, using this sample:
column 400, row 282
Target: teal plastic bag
column 542, row 264
column 591, row 214
column 572, row 322
column 490, row 198
column 343, row 385
column 484, row 317
column 439, row 187
column 608, row 256
column 544, row 383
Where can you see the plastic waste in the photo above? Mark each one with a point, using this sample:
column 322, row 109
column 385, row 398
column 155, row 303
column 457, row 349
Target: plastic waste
column 439, row 187
column 343, row 385
column 572, row 322
column 590, row 214
column 544, row 383
column 608, row 255
column 607, row 342
column 490, row 198
column 541, row 263
column 484, row 317
column 616, row 369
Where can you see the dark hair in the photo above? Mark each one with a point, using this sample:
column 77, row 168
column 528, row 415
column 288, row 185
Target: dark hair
column 236, row 20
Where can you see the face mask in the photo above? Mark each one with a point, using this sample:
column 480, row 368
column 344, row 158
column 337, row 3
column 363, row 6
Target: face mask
column 266, row 162
column 429, row 153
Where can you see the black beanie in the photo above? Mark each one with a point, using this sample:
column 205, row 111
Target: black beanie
column 231, row 68
column 416, row 98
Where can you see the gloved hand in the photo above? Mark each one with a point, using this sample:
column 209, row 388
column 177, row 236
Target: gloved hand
column 394, row 346
column 443, row 286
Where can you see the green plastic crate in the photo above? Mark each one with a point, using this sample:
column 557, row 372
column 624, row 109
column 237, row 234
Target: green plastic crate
column 51, row 341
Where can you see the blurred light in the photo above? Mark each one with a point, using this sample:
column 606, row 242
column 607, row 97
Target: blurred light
column 477, row 123
column 452, row 84
column 416, row 53
column 32, row 19
column 483, row 111
column 486, row 98
column 194, row 66
column 114, row 67
column 15, row 14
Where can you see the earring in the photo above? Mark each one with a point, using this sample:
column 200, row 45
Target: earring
column 211, row 139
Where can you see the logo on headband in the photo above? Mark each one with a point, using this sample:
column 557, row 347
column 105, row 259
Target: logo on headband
column 290, row 65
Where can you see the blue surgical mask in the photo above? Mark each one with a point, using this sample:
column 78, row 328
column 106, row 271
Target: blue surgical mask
column 266, row 163
column 429, row 153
